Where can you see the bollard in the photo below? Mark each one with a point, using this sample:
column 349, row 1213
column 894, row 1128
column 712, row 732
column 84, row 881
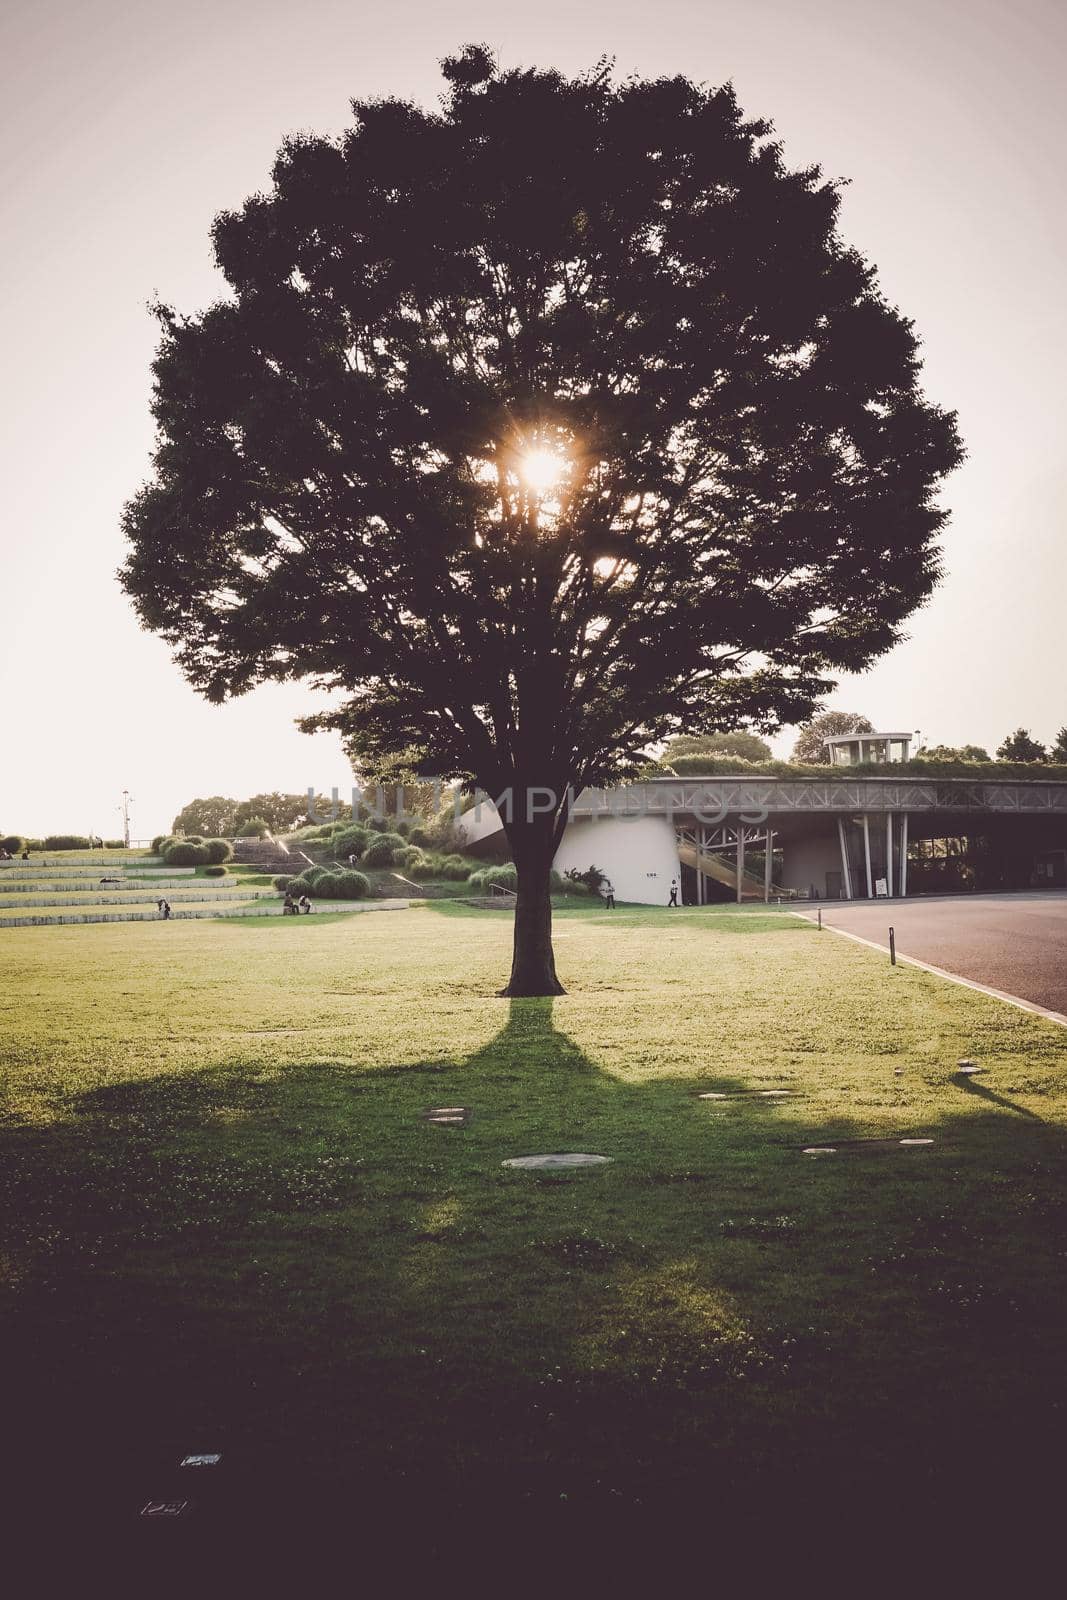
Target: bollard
column 820, row 919
column 892, row 948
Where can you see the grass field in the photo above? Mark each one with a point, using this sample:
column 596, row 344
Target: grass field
column 227, row 1225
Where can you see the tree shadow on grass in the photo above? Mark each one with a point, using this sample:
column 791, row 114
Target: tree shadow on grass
column 357, row 1305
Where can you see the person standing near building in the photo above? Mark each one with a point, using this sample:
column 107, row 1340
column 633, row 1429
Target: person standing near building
column 673, row 901
column 608, row 891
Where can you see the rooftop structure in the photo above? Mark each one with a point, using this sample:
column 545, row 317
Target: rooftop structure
column 851, row 749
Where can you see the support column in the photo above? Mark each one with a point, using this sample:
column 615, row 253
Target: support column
column 767, row 865
column 700, row 869
column 904, row 854
column 740, row 857
column 846, row 876
column 867, row 855
column 889, row 853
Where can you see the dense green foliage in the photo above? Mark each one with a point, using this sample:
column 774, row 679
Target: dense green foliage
column 68, row 841
column 183, row 853
column 746, row 746
column 1019, row 746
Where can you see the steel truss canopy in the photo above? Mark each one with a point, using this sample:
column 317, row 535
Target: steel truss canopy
column 752, row 799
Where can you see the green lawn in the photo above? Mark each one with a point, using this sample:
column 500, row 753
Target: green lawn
column 224, row 1218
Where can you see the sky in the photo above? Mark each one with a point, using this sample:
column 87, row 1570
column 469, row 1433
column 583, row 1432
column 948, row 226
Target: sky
column 125, row 127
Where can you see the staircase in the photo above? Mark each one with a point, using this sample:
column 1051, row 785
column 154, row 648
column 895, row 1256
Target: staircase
column 724, row 871
column 120, row 887
column 268, row 855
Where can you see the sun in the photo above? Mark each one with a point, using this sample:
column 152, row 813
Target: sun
column 542, row 469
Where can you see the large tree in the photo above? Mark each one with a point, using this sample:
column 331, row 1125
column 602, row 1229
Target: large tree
column 211, row 815
column 1019, row 746
column 811, row 739
column 539, row 427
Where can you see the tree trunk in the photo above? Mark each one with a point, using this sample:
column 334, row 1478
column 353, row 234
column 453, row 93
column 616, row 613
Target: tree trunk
column 533, row 966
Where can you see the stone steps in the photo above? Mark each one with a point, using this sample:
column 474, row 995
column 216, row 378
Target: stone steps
column 144, row 887
column 18, row 903
column 270, row 907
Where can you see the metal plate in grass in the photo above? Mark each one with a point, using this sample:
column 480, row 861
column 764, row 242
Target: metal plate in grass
column 166, row 1510
column 559, row 1162
column 447, row 1116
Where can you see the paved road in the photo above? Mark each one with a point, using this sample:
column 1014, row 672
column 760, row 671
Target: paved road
column 1013, row 942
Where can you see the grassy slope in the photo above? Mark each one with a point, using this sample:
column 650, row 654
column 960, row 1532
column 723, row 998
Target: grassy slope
column 226, row 1221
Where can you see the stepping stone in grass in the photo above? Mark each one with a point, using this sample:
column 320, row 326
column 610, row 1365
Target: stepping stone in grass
column 745, row 1094
column 857, row 1146
column 447, row 1116
column 967, row 1069
column 556, row 1163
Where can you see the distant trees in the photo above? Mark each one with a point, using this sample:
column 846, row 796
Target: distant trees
column 956, row 752
column 1059, row 749
column 280, row 812
column 1019, row 746
column 747, row 746
column 212, row 816
column 811, row 741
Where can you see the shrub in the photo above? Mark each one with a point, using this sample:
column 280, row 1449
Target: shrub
column 215, row 871
column 421, row 835
column 403, row 827
column 185, row 854
column 424, row 868
column 410, row 855
column 254, row 828
column 285, row 880
column 114, row 844
column 381, row 852
column 592, row 877
column 351, row 840
column 353, row 885
column 455, row 868
column 218, row 850
column 500, row 877
column 380, row 824
column 159, row 841
column 194, row 838
column 556, row 882
column 14, row 842
column 67, row 841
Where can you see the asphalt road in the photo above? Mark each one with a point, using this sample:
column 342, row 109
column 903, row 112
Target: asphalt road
column 1013, row 942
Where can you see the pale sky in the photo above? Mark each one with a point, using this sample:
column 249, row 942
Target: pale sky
column 125, row 125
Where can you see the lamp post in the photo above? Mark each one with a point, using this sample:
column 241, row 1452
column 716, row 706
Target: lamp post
column 127, row 797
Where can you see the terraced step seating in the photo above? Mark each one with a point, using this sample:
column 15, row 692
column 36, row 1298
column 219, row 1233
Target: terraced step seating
column 118, row 887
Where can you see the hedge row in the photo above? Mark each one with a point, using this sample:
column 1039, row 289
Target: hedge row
column 321, row 884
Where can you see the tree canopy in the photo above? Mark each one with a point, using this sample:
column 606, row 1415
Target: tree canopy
column 746, row 746
column 540, row 427
column 1019, row 746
